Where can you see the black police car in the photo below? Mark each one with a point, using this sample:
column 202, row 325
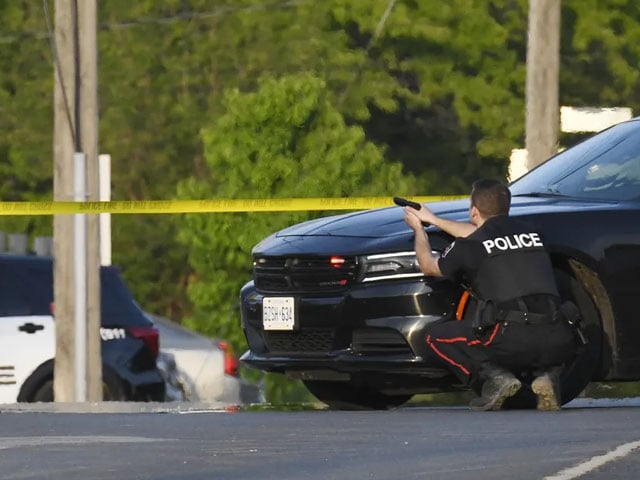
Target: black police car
column 27, row 335
column 339, row 302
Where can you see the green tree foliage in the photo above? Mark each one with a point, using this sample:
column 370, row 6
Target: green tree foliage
column 25, row 119
column 284, row 140
column 447, row 86
column 600, row 53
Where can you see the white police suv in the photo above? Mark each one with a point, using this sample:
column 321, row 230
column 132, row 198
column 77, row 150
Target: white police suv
column 27, row 335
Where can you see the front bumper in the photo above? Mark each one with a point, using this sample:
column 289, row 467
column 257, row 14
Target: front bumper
column 375, row 329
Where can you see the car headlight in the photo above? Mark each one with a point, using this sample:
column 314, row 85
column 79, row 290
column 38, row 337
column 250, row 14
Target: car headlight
column 389, row 266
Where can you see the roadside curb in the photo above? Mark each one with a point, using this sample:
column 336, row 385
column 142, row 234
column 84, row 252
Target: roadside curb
column 117, row 407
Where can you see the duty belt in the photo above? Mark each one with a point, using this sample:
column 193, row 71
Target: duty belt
column 522, row 313
column 528, row 318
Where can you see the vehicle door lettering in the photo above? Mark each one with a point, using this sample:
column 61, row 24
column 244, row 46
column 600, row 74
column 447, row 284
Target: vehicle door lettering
column 112, row 333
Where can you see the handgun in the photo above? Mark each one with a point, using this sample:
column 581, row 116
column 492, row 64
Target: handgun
column 403, row 202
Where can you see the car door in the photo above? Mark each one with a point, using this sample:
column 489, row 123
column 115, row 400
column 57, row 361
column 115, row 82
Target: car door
column 27, row 331
column 25, row 343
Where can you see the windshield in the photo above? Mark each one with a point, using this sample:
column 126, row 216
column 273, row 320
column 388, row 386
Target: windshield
column 603, row 167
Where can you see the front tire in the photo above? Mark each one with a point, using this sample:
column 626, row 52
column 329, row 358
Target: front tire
column 346, row 396
column 39, row 387
column 578, row 373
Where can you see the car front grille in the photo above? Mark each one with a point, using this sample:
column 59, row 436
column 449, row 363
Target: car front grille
column 312, row 340
column 304, row 274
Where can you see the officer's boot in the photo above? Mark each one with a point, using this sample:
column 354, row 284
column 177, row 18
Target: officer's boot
column 498, row 385
column 547, row 388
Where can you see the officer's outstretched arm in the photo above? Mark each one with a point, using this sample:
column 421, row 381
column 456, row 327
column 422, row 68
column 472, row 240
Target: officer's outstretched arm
column 428, row 263
column 453, row 228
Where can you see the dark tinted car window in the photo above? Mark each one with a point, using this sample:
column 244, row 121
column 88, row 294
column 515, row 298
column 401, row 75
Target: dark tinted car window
column 118, row 306
column 603, row 167
column 26, row 288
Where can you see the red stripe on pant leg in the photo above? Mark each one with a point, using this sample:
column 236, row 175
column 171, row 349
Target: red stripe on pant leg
column 471, row 342
column 493, row 335
column 444, row 357
column 452, row 340
column 459, row 339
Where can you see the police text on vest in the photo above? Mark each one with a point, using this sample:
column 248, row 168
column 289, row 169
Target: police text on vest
column 513, row 242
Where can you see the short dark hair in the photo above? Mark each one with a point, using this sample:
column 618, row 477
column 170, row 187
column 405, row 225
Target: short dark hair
column 490, row 197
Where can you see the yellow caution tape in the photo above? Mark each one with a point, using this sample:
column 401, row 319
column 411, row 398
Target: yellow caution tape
column 207, row 206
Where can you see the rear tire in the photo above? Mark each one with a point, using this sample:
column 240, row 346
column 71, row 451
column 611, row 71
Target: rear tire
column 346, row 396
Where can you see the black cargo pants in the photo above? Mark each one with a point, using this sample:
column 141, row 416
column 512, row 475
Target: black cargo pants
column 513, row 345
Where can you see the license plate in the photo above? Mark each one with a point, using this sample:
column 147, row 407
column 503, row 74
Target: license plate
column 278, row 313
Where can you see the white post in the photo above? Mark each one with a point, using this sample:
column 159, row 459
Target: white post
column 18, row 243
column 80, row 280
column 104, row 165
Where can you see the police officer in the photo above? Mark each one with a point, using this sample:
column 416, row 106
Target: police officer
column 516, row 327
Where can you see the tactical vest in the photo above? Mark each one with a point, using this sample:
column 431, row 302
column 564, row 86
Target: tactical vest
column 515, row 264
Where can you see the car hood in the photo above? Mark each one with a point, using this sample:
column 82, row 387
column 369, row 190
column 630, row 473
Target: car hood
column 376, row 223
column 384, row 229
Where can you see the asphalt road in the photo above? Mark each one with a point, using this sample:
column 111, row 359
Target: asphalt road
column 597, row 439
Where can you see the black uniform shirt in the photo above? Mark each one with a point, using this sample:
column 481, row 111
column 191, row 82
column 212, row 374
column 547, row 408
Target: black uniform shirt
column 502, row 260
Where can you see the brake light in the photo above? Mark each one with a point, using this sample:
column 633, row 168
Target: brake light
column 230, row 360
column 149, row 335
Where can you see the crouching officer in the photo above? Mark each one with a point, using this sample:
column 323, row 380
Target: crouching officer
column 517, row 325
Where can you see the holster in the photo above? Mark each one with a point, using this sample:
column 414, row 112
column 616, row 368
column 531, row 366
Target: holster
column 570, row 313
column 484, row 317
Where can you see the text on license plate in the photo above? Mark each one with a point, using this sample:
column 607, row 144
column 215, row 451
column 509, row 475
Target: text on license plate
column 278, row 313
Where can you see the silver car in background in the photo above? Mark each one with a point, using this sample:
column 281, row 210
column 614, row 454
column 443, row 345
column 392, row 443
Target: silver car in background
column 201, row 369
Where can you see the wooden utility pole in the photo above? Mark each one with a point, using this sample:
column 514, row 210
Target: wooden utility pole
column 88, row 50
column 75, row 130
column 543, row 67
column 63, row 148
